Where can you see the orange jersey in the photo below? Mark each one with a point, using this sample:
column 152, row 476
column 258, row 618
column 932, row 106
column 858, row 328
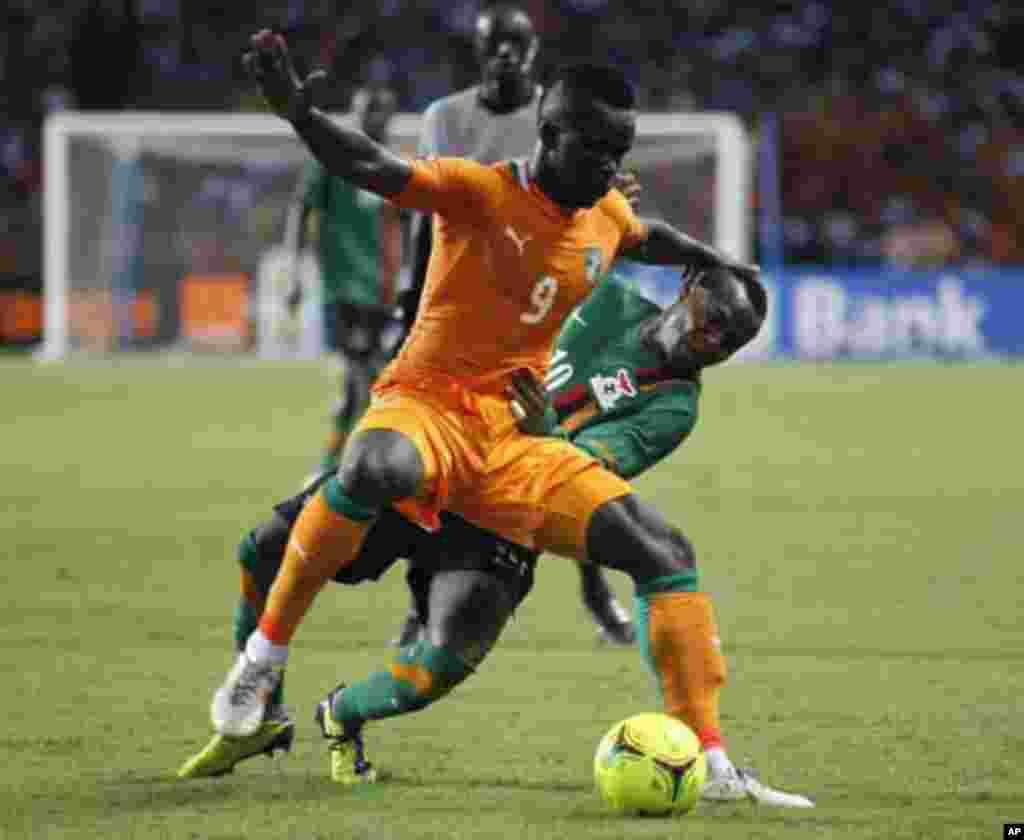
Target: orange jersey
column 508, row 266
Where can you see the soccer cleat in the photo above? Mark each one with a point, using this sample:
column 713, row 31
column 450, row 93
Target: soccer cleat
column 348, row 758
column 623, row 634
column 240, row 705
column 220, row 756
column 735, row 784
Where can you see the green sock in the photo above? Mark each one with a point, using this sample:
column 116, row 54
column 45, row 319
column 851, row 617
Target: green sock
column 245, row 622
column 246, row 618
column 422, row 674
column 683, row 582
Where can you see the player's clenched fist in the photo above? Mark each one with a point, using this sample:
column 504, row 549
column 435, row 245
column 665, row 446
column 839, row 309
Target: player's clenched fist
column 269, row 63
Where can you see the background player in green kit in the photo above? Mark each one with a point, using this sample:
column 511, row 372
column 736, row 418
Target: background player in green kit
column 360, row 254
column 624, row 385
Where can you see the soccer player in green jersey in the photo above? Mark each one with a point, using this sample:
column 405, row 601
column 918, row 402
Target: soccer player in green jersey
column 360, row 254
column 623, row 385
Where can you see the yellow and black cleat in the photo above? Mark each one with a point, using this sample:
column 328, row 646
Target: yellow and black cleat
column 347, row 752
column 220, row 756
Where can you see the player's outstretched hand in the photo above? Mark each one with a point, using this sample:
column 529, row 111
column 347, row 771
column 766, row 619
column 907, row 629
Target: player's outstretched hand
column 270, row 65
column 628, row 184
column 529, row 403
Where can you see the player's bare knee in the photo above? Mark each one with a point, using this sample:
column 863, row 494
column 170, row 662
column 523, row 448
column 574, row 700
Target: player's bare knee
column 472, row 609
column 380, row 466
column 631, row 536
column 671, row 552
column 682, row 555
column 468, row 610
column 262, row 551
column 271, row 537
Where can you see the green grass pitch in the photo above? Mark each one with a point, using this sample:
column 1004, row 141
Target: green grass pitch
column 859, row 527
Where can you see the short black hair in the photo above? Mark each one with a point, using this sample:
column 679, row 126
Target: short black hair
column 715, row 275
column 602, row 82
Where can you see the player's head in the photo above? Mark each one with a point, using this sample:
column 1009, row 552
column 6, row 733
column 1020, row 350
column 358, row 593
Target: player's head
column 374, row 105
column 506, row 47
column 717, row 313
column 586, row 125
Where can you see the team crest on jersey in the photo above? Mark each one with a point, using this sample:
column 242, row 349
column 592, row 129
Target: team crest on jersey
column 608, row 390
column 592, row 259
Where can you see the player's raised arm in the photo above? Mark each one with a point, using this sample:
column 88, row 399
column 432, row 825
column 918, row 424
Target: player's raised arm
column 664, row 244
column 343, row 152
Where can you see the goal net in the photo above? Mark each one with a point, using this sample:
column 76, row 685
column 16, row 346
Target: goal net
column 165, row 231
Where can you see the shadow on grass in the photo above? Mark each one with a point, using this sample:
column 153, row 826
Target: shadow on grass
column 126, row 792
column 392, row 779
column 164, row 793
column 155, row 793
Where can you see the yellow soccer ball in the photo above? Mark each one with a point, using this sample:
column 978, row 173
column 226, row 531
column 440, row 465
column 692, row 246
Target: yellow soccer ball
column 650, row 764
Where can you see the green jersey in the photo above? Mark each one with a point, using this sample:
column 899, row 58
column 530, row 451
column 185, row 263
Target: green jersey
column 350, row 240
column 611, row 392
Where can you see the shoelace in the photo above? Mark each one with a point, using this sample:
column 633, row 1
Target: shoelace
column 248, row 684
column 735, row 777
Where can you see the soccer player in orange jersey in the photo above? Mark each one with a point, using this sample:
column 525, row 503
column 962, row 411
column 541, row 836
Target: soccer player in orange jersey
column 518, row 245
column 492, row 121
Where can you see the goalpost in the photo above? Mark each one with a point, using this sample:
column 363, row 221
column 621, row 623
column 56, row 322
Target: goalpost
column 163, row 231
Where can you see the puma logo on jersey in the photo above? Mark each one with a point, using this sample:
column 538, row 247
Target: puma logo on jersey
column 519, row 243
column 608, row 390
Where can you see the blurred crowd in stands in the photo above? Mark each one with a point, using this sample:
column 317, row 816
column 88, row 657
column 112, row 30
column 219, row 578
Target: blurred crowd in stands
column 900, row 125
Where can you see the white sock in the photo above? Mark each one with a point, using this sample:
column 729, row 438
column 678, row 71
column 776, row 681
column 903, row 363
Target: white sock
column 718, row 762
column 260, row 649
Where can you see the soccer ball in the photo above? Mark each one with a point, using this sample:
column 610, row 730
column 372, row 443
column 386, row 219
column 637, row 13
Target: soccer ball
column 650, row 764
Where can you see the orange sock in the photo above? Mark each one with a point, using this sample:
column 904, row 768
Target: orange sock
column 321, row 542
column 686, row 654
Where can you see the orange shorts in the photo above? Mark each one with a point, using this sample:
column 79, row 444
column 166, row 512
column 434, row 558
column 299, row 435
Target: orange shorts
column 537, row 492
